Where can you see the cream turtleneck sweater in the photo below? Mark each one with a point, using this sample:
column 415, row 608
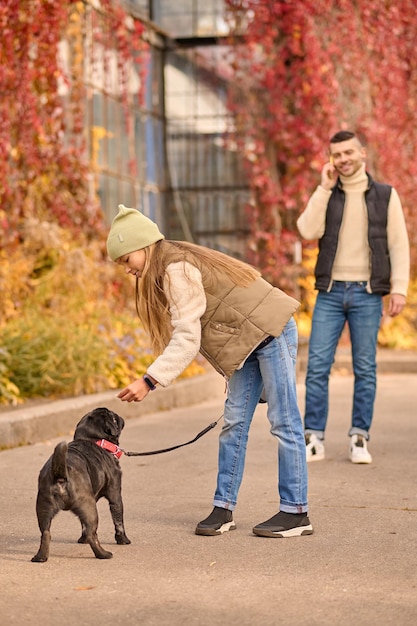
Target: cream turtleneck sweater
column 351, row 262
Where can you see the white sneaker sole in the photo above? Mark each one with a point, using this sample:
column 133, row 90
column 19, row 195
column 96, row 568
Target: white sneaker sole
column 210, row 532
column 365, row 461
column 299, row 531
column 315, row 457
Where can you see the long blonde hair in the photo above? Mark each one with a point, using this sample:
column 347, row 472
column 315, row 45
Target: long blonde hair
column 151, row 302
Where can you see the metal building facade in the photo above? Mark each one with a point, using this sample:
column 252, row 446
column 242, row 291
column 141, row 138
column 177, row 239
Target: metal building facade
column 187, row 174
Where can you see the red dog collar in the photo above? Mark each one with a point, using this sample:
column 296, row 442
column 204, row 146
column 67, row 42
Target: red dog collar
column 110, row 447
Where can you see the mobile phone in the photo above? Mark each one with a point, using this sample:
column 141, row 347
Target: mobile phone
column 331, row 160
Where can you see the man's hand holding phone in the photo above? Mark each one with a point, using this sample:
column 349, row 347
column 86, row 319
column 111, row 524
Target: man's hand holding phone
column 328, row 175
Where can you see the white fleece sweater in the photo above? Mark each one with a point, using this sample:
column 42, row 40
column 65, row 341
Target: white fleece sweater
column 187, row 304
column 353, row 253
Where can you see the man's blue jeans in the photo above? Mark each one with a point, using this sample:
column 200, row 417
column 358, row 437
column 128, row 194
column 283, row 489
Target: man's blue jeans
column 346, row 302
column 271, row 367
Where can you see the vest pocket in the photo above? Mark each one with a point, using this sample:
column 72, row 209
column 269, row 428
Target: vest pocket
column 223, row 328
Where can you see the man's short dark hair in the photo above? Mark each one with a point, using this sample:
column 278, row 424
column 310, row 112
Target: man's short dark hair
column 343, row 135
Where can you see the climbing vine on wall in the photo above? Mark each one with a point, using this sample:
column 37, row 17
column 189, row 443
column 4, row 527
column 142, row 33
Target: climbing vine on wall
column 52, row 303
column 45, row 171
column 302, row 71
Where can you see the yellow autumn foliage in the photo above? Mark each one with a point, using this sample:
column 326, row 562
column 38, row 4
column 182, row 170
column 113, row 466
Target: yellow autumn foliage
column 68, row 321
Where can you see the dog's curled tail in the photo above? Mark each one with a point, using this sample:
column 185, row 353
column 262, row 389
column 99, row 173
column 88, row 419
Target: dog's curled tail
column 59, row 462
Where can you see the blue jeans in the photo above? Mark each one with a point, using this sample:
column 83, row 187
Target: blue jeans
column 346, row 302
column 273, row 368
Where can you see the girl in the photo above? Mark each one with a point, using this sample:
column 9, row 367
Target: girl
column 190, row 299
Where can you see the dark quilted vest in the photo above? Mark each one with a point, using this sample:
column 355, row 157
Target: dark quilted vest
column 377, row 198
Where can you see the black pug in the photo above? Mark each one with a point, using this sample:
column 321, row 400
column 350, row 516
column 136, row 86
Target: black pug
column 80, row 473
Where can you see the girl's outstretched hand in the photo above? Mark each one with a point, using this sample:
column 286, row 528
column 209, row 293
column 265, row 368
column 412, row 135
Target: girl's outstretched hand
column 135, row 392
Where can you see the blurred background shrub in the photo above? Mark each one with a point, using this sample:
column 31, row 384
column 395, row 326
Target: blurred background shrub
column 68, row 320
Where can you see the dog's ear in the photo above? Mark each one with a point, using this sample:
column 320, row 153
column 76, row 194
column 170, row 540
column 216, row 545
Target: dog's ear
column 114, row 425
column 86, row 428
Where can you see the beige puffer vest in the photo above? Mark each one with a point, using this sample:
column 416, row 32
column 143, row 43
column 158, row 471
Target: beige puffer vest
column 237, row 319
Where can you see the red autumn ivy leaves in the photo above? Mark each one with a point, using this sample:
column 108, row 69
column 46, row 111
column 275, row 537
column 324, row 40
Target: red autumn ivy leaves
column 40, row 175
column 302, row 71
column 45, row 170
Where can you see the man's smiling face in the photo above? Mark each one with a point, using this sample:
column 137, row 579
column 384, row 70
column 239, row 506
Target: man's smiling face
column 347, row 156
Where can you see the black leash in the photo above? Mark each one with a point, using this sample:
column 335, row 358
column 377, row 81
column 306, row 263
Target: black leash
column 181, row 445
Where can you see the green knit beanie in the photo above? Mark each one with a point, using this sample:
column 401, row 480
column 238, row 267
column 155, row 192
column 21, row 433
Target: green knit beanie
column 130, row 231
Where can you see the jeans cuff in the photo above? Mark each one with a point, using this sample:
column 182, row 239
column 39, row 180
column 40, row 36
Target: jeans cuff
column 294, row 509
column 319, row 433
column 224, row 505
column 359, row 431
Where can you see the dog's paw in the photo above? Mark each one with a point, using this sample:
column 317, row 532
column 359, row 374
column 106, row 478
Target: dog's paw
column 122, row 540
column 82, row 539
column 38, row 558
column 104, row 555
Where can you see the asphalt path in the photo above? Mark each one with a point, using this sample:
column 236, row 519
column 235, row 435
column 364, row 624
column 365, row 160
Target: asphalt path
column 358, row 568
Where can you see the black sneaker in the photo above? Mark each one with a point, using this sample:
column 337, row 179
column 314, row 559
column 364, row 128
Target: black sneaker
column 218, row 522
column 285, row 525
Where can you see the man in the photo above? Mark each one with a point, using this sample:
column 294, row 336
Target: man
column 363, row 255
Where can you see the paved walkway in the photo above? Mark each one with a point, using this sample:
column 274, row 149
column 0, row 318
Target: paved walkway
column 358, row 568
column 40, row 420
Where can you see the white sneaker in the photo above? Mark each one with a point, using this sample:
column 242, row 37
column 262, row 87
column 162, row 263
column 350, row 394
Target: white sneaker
column 314, row 448
column 358, row 450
